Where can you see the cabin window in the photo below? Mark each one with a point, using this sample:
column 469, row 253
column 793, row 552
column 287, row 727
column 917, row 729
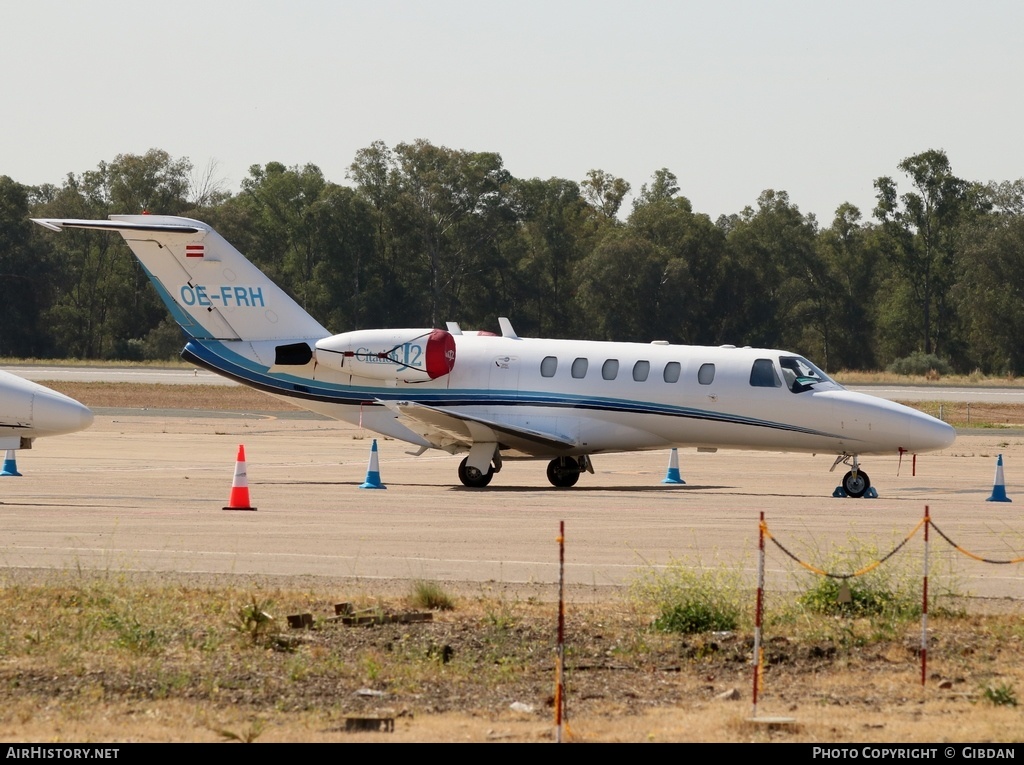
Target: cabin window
column 671, row 373
column 706, row 374
column 610, row 369
column 640, row 370
column 548, row 366
column 763, row 374
column 579, row 368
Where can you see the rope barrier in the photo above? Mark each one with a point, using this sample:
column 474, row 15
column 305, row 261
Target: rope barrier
column 832, row 575
column 926, row 522
column 969, row 554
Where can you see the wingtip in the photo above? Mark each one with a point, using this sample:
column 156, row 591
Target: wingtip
column 46, row 223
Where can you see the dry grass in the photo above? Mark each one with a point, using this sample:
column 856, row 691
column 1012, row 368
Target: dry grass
column 223, row 398
column 973, row 415
column 109, row 659
column 978, row 379
column 10, row 361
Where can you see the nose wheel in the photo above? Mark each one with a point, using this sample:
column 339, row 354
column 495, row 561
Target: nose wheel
column 856, row 483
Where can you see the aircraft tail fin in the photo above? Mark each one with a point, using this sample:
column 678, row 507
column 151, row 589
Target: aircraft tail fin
column 211, row 289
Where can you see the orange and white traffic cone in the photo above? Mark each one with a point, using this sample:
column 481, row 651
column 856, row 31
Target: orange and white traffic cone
column 239, row 499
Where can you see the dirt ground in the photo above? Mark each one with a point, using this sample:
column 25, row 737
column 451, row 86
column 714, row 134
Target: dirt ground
column 485, row 671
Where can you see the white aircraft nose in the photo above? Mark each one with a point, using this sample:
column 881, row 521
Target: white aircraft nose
column 928, row 434
column 876, row 426
column 54, row 414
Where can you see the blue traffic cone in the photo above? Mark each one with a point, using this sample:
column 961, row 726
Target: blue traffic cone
column 673, row 469
column 10, row 466
column 999, row 487
column 373, row 471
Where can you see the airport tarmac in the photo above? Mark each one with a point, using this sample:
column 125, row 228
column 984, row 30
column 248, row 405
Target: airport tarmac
column 144, row 493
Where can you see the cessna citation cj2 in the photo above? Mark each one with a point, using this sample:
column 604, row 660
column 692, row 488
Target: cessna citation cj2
column 506, row 397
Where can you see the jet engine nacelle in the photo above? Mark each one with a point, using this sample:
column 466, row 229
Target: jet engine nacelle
column 409, row 355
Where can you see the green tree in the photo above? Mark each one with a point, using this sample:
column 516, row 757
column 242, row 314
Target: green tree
column 24, row 272
column 92, row 274
column 844, row 318
column 694, row 298
column 310, row 236
column 621, row 288
column 153, row 182
column 1006, row 198
column 443, row 216
column 663, row 188
column 555, row 231
column 605, row 192
column 776, row 279
column 102, row 305
column 920, row 236
column 991, row 290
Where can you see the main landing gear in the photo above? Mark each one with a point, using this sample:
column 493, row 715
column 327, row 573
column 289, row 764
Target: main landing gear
column 473, row 477
column 563, row 472
column 856, row 482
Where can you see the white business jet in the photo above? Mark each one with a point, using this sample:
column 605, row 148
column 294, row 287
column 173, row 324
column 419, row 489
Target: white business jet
column 29, row 410
column 499, row 397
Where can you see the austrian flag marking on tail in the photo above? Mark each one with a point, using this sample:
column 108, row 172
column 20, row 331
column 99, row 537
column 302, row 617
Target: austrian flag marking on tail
column 195, row 251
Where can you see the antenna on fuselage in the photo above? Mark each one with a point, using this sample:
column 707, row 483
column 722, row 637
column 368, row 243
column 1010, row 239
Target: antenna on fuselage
column 506, row 328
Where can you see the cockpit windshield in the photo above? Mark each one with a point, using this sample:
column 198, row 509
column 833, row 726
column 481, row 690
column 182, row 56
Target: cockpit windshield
column 801, row 375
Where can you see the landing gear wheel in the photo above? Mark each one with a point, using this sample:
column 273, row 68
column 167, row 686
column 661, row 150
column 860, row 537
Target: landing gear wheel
column 856, row 486
column 563, row 472
column 474, row 478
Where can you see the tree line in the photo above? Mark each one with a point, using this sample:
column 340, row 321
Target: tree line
column 423, row 234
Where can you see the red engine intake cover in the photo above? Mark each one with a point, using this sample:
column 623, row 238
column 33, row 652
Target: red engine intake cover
column 440, row 353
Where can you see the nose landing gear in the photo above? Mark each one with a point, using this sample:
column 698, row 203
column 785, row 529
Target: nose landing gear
column 856, row 482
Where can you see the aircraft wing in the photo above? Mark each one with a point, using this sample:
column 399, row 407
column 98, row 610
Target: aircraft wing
column 453, row 432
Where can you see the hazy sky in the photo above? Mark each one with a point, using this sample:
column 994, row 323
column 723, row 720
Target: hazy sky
column 816, row 98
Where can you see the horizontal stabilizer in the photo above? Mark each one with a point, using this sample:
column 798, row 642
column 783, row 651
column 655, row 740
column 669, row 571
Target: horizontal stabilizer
column 58, row 224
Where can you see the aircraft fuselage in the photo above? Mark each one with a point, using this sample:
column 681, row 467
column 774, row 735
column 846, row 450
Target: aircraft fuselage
column 657, row 397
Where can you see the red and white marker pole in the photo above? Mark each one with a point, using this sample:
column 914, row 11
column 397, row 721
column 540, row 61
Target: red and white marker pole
column 560, row 656
column 924, row 605
column 758, row 612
